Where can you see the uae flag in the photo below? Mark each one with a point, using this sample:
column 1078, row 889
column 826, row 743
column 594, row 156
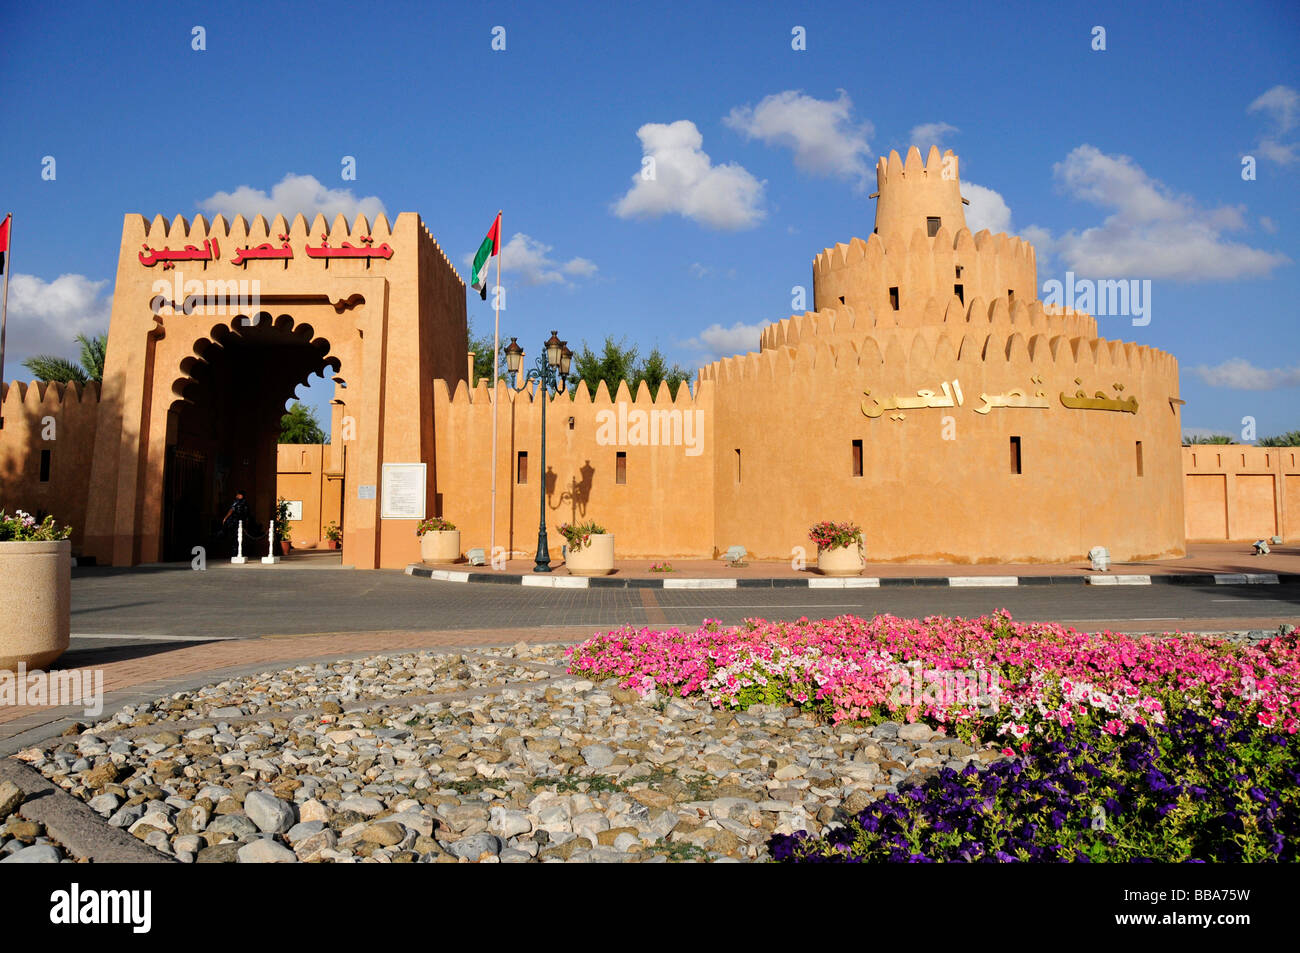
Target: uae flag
column 4, row 241
column 491, row 246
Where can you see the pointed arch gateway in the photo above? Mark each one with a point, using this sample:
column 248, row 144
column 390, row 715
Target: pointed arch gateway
column 223, row 424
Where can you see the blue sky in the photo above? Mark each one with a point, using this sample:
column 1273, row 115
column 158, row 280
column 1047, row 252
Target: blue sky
column 1124, row 162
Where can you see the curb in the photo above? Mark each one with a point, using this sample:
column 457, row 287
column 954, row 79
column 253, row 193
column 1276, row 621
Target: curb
column 543, row 581
column 85, row 835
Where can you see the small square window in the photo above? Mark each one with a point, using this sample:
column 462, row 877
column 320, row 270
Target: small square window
column 932, row 223
column 737, row 464
column 857, row 458
column 521, row 467
column 893, row 298
column 620, row 467
column 45, row 466
column 1015, row 455
column 1139, row 457
column 960, row 292
column 570, row 423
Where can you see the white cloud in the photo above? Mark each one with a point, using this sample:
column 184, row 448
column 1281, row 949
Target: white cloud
column 1268, row 224
column 46, row 316
column 699, row 271
column 684, row 181
column 291, row 195
column 1281, row 105
column 531, row 261
column 1239, row 374
column 1153, row 232
column 1040, row 238
column 719, row 342
column 821, row 132
column 987, row 209
column 930, row 134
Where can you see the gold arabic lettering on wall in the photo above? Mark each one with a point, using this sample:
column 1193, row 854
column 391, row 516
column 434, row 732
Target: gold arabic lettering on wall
column 1015, row 398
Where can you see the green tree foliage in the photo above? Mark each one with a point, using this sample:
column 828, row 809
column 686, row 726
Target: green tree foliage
column 482, row 348
column 618, row 362
column 299, row 425
column 1212, row 438
column 1289, row 439
column 48, row 367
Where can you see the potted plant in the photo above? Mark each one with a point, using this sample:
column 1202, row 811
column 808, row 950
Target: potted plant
column 282, row 526
column 36, row 593
column 839, row 548
column 439, row 540
column 589, row 550
column 334, row 536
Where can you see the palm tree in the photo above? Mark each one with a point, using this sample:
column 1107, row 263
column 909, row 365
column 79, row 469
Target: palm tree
column 48, row 367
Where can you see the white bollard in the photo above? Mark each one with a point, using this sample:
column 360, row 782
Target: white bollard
column 239, row 559
column 270, row 557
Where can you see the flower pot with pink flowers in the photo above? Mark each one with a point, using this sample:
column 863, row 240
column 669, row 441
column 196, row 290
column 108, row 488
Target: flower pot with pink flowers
column 439, row 540
column 840, row 549
column 36, row 592
column 588, row 549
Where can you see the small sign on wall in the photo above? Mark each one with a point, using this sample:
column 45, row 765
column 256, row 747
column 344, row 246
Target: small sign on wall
column 366, row 491
column 295, row 510
column 403, row 494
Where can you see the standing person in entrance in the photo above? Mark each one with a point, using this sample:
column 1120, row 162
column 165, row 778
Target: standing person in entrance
column 238, row 513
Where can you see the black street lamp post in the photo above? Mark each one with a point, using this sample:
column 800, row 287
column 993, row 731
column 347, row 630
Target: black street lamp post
column 551, row 373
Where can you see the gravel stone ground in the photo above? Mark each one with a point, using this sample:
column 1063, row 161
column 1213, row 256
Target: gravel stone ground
column 492, row 756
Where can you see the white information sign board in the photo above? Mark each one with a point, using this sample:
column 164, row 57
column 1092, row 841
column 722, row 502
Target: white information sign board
column 402, row 491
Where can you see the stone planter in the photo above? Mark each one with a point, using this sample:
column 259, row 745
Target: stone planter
column 35, row 602
column 440, row 546
column 594, row 559
column 841, row 561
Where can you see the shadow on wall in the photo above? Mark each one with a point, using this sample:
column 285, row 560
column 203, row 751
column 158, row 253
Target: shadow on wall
column 576, row 494
column 21, row 487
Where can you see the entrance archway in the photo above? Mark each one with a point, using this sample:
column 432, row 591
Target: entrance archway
column 224, row 425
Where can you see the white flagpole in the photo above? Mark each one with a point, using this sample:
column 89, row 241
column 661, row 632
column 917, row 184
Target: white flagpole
column 4, row 308
column 496, row 348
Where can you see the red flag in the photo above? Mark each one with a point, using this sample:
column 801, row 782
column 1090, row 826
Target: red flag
column 4, row 240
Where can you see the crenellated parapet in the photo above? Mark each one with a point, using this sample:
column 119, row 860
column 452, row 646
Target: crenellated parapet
column 845, row 322
column 19, row 398
column 916, row 351
column 901, row 274
column 583, row 398
column 239, row 232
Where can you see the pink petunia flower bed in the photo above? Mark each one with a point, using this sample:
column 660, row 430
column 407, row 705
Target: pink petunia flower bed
column 986, row 679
